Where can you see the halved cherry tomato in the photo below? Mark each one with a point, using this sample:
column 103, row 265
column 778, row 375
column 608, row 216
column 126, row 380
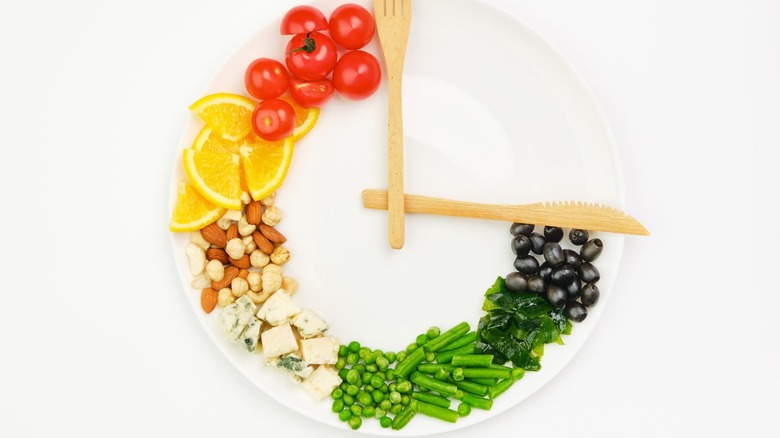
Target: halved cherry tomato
column 303, row 19
column 266, row 78
column 357, row 75
column 310, row 56
column 311, row 94
column 351, row 26
column 273, row 119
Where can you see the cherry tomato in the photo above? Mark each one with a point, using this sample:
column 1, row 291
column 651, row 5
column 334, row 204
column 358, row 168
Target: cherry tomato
column 303, row 19
column 273, row 119
column 266, row 78
column 357, row 75
column 311, row 94
column 351, row 26
column 310, row 56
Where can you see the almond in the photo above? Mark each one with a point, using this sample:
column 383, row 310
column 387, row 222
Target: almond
column 254, row 212
column 231, row 272
column 232, row 232
column 262, row 242
column 271, row 233
column 217, row 254
column 243, row 273
column 214, row 235
column 208, row 299
column 242, row 263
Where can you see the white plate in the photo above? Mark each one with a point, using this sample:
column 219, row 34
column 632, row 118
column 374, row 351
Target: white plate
column 492, row 113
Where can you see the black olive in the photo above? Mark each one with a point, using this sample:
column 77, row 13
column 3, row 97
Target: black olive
column 591, row 250
column 516, row 282
column 555, row 295
column 563, row 275
column 553, row 234
column 545, row 270
column 537, row 242
column 553, row 253
column 518, row 229
column 575, row 311
column 588, row 273
column 574, row 289
column 573, row 258
column 590, row 295
column 536, row 284
column 521, row 245
column 527, row 264
column 577, row 236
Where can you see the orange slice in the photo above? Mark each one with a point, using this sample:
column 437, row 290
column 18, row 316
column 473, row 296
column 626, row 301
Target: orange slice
column 265, row 164
column 305, row 118
column 227, row 114
column 215, row 175
column 210, row 140
column 192, row 211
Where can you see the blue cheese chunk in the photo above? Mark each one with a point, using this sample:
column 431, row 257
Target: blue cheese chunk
column 278, row 309
column 309, row 324
column 322, row 381
column 324, row 350
column 293, row 365
column 251, row 334
column 278, row 340
column 235, row 317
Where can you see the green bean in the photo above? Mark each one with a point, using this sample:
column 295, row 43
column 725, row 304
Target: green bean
column 463, row 340
column 489, row 373
column 472, row 360
column 468, row 386
column 433, row 384
column 457, row 374
column 432, row 368
column 497, row 389
column 518, row 373
column 403, row 418
column 430, row 356
column 484, row 381
column 410, row 364
column 478, row 402
column 446, row 356
column 447, row 337
column 437, row 412
column 441, row 375
column 432, row 399
column 464, row 409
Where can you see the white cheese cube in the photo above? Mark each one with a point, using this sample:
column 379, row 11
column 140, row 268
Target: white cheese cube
column 235, row 316
column 309, row 324
column 278, row 309
column 292, row 364
column 322, row 381
column 278, row 340
column 251, row 334
column 324, row 350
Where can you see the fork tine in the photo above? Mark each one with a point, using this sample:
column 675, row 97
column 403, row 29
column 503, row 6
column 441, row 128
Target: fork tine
column 406, row 8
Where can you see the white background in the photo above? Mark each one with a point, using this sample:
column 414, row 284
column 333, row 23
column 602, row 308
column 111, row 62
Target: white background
column 97, row 339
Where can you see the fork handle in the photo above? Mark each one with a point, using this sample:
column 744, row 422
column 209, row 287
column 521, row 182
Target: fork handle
column 395, row 157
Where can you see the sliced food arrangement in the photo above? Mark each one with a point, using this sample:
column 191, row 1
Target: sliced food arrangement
column 236, row 255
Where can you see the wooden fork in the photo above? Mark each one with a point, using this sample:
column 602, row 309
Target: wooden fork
column 393, row 18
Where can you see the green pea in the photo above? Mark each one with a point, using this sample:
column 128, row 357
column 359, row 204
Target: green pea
column 353, row 358
column 364, row 398
column 341, row 363
column 348, row 400
column 355, row 423
column 369, row 411
column 395, row 397
column 377, row 381
column 433, row 332
column 404, row 387
column 377, row 396
column 421, row 340
column 343, row 374
column 405, row 400
column 390, row 374
column 385, row 404
column 382, row 363
column 356, row 410
column 401, row 355
column 379, row 413
column 352, row 390
column 390, row 356
column 343, row 350
column 366, row 377
column 345, row 415
column 337, row 405
column 337, row 393
column 354, row 346
column 360, row 368
column 371, row 367
column 396, row 408
column 353, row 377
column 385, row 422
column 411, row 347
